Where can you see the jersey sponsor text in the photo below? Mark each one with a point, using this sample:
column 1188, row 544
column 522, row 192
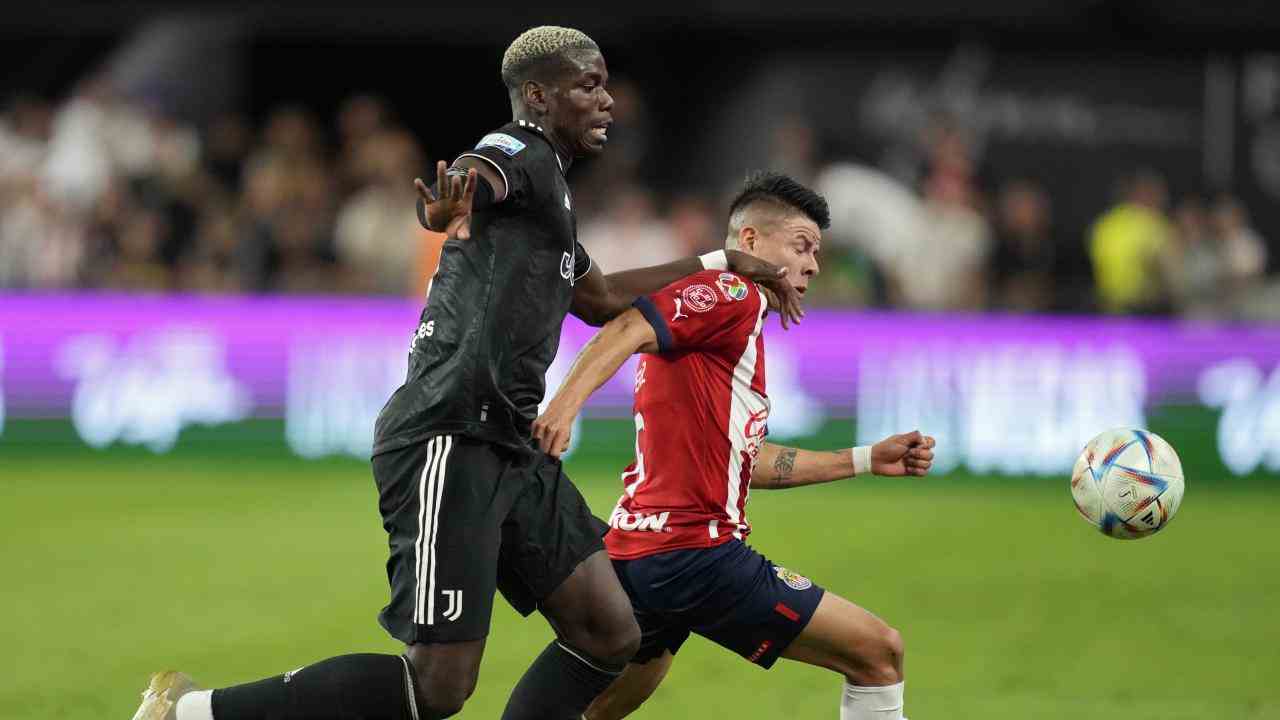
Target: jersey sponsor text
column 632, row 522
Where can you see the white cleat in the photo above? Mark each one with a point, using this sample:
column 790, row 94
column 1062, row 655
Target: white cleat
column 160, row 699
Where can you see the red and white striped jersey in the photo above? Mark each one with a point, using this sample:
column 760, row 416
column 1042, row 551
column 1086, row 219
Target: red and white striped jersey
column 700, row 412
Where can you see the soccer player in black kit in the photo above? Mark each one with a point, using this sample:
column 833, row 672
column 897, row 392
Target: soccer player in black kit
column 468, row 501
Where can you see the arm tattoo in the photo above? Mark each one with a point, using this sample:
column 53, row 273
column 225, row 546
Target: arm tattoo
column 783, row 465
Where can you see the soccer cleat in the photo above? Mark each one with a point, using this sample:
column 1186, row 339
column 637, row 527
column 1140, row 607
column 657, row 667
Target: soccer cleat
column 160, row 699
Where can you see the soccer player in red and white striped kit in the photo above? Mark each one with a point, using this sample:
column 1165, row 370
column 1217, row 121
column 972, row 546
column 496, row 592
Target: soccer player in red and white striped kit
column 677, row 535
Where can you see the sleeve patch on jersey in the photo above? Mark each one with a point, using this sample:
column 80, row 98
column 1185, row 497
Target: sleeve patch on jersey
column 733, row 287
column 502, row 141
column 699, row 298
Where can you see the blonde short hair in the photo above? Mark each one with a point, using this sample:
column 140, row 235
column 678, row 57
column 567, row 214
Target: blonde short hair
column 538, row 44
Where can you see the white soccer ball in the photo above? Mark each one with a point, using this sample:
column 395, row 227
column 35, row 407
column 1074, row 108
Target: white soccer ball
column 1127, row 483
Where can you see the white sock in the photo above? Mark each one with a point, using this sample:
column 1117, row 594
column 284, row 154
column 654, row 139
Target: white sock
column 196, row 705
column 866, row 703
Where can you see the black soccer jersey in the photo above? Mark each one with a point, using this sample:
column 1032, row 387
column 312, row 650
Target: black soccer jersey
column 491, row 325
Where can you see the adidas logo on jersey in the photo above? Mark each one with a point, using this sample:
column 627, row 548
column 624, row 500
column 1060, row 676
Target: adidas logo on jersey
column 623, row 520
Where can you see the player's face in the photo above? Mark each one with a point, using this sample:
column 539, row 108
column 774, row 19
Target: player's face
column 793, row 243
column 579, row 109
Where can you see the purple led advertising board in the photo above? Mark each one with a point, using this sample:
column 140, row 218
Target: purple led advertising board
column 137, row 369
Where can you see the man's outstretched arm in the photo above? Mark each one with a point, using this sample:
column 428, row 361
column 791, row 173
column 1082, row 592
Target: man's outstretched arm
column 598, row 360
column 780, row 467
column 598, row 298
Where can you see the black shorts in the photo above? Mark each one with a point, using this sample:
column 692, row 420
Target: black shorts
column 729, row 594
column 464, row 517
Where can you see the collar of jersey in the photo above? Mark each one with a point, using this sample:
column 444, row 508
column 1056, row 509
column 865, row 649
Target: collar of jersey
column 543, row 133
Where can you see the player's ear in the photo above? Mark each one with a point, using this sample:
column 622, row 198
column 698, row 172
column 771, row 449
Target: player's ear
column 747, row 237
column 534, row 96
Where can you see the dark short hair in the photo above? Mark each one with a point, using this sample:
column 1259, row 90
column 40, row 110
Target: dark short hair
column 782, row 190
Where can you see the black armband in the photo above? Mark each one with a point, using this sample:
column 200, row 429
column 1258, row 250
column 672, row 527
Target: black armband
column 484, row 191
column 484, row 194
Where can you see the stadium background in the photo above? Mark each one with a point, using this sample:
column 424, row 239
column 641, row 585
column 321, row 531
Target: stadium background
column 209, row 270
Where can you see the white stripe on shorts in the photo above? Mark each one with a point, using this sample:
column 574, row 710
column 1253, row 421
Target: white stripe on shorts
column 435, row 529
column 425, row 492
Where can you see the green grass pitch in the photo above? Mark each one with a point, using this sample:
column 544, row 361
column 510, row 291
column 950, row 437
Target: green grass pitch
column 232, row 560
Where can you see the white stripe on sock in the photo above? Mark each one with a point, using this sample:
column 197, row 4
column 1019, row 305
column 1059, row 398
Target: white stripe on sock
column 587, row 662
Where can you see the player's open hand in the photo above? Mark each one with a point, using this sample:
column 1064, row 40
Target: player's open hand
column 783, row 297
column 906, row 454
column 448, row 210
column 554, row 428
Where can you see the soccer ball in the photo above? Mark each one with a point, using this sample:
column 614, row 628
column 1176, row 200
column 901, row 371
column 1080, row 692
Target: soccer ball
column 1127, row 483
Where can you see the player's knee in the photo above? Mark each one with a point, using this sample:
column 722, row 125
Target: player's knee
column 441, row 689
column 894, row 649
column 441, row 697
column 614, row 640
column 880, row 660
column 623, row 640
column 871, row 656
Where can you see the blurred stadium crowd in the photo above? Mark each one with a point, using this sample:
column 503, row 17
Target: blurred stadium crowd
column 101, row 191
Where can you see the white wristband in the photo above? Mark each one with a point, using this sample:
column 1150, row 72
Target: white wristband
column 714, row 261
column 861, row 459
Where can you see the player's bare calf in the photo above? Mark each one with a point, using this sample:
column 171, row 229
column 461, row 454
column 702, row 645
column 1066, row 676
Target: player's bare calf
column 636, row 684
column 851, row 641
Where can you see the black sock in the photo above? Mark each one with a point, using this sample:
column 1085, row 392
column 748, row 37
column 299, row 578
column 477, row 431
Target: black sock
column 349, row 687
column 559, row 685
